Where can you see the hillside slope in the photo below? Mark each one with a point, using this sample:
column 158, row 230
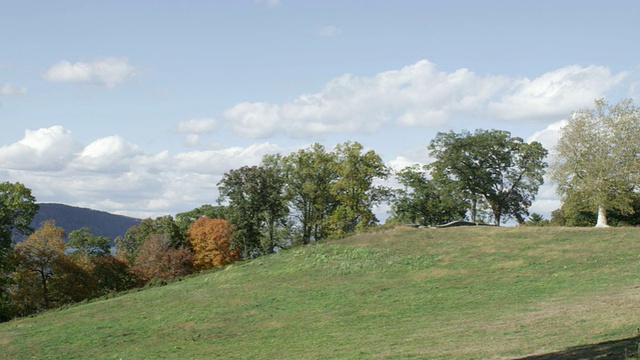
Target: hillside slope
column 459, row 293
column 72, row 218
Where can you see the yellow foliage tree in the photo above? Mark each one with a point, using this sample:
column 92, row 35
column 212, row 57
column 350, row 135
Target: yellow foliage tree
column 37, row 255
column 210, row 240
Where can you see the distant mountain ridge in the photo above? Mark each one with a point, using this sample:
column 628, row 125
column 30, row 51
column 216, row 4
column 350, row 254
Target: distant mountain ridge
column 71, row 218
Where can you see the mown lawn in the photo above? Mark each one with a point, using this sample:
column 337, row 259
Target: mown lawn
column 459, row 293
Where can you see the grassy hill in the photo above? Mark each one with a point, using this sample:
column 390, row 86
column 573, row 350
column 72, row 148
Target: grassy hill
column 459, row 293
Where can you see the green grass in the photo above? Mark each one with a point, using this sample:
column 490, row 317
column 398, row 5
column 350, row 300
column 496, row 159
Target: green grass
column 460, row 293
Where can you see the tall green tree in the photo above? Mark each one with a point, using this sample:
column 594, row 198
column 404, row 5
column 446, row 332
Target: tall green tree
column 276, row 206
column 253, row 194
column 310, row 176
column 597, row 165
column 355, row 190
column 17, row 209
column 491, row 166
column 421, row 201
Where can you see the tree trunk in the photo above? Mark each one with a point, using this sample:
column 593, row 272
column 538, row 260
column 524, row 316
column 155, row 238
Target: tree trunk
column 602, row 217
column 474, row 210
column 45, row 292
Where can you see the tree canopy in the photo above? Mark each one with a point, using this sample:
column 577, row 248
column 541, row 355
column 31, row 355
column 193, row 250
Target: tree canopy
column 422, row 202
column 39, row 252
column 310, row 174
column 255, row 201
column 83, row 241
column 491, row 166
column 210, row 240
column 597, row 164
column 354, row 190
column 128, row 246
column 17, row 209
column 185, row 219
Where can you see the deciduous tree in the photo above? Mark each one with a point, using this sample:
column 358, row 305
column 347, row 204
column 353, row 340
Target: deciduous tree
column 38, row 253
column 157, row 258
column 490, row 165
column 422, row 202
column 17, row 209
column 210, row 240
column 354, row 190
column 128, row 247
column 112, row 274
column 310, row 175
column 254, row 194
column 597, row 165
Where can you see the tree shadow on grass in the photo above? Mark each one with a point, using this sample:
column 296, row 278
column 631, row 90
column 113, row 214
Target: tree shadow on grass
column 616, row 349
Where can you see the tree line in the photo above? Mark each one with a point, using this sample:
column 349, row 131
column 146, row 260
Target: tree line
column 314, row 193
column 44, row 271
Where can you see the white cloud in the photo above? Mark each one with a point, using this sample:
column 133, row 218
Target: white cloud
column 555, row 93
column 217, row 162
column 417, row 94
column 421, row 95
column 549, row 136
column 8, row 89
column 254, row 120
column 329, row 31
column 43, row 149
column 106, row 72
column 112, row 174
column 109, row 154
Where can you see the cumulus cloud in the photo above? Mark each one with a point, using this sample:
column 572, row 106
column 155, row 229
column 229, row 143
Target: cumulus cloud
column 329, row 31
column 421, row 95
column 106, row 72
column 43, row 149
column 112, row 174
column 417, row 94
column 555, row 93
column 109, row 154
column 8, row 89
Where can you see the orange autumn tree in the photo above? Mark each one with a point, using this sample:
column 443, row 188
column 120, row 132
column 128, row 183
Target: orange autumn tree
column 210, row 240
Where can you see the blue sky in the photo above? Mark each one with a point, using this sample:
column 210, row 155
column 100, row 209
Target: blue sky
column 139, row 107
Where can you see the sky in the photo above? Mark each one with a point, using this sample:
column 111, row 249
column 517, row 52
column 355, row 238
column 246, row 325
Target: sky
column 139, row 107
